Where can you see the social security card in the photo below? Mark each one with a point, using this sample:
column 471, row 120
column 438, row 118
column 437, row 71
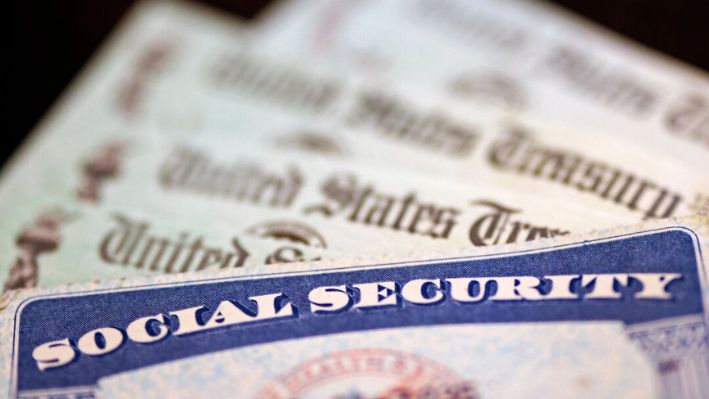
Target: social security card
column 652, row 278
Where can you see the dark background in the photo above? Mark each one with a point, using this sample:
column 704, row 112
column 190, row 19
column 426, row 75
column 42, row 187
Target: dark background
column 51, row 39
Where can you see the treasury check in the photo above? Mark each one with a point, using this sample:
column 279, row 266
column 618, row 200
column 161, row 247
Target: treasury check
column 180, row 72
column 522, row 56
column 169, row 206
column 551, row 360
column 95, row 150
column 372, row 122
column 217, row 91
column 652, row 278
column 119, row 183
column 75, row 242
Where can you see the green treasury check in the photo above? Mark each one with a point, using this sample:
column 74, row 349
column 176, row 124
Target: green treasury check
column 116, row 146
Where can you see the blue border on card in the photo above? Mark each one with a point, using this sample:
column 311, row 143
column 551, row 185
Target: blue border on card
column 698, row 265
